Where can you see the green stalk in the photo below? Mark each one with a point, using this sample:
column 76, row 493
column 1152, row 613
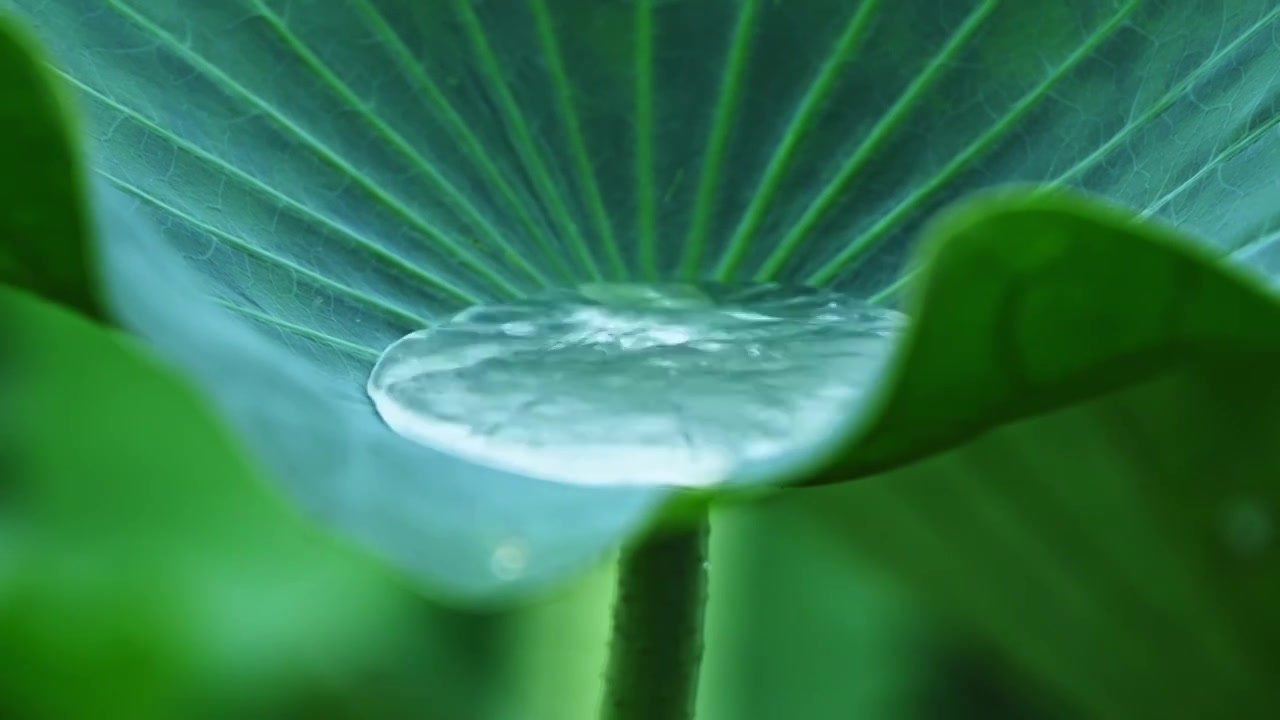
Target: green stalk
column 656, row 646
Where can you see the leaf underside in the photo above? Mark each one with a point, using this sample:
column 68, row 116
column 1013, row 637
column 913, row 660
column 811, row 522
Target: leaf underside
column 280, row 189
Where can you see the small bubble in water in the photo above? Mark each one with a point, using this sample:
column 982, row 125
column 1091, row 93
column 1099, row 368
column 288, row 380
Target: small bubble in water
column 519, row 328
column 509, row 559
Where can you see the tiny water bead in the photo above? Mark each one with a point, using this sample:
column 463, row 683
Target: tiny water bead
column 627, row 383
column 509, row 558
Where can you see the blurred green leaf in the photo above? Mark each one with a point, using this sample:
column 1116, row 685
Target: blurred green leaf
column 46, row 249
column 334, row 175
column 792, row 633
column 146, row 570
column 1124, row 550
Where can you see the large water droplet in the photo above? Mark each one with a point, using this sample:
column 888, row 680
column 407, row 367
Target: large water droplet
column 630, row 383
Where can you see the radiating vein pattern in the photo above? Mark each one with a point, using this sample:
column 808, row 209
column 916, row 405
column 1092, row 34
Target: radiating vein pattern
column 353, row 171
column 634, row 383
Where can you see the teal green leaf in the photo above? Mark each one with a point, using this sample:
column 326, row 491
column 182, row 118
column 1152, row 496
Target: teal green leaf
column 322, row 178
column 453, row 523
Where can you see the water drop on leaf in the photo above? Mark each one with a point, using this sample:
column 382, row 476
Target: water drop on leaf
column 635, row 384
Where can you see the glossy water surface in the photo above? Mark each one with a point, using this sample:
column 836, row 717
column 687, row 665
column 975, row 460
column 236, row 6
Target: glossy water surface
column 628, row 383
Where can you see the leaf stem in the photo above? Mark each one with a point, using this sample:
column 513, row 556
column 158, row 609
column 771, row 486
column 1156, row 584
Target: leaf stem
column 656, row 648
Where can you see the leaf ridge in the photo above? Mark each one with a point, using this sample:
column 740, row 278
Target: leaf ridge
column 361, row 351
column 887, row 124
column 524, row 144
column 718, row 141
column 454, row 197
column 479, row 154
column 482, row 270
column 861, row 244
column 1165, row 101
column 1218, row 158
column 301, row 209
column 802, row 120
column 398, row 314
column 646, row 198
column 578, row 145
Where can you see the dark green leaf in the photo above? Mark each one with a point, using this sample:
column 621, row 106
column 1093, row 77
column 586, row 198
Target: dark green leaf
column 1124, row 551
column 44, row 244
column 1030, row 302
